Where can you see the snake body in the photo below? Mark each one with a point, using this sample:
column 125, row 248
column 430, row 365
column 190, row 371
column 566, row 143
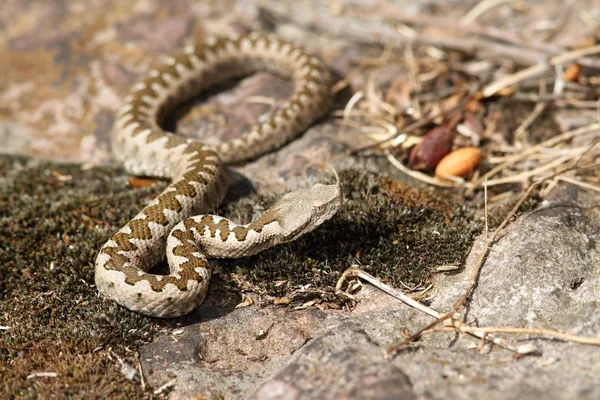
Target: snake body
column 173, row 223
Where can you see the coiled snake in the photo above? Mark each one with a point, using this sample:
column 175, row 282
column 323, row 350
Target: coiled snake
column 199, row 182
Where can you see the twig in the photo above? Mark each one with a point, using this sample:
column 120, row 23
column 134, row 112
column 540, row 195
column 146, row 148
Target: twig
column 579, row 183
column 474, row 276
column 416, row 174
column 42, row 375
column 533, row 172
column 534, row 149
column 358, row 273
column 351, row 103
column 373, row 96
column 480, row 9
column 165, row 387
column 372, row 31
column 362, row 66
column 354, row 272
column 540, row 106
column 485, row 207
column 541, row 50
column 140, row 371
column 534, row 70
column 410, row 128
column 532, row 331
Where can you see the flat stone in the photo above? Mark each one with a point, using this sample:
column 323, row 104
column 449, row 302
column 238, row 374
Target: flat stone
column 542, row 272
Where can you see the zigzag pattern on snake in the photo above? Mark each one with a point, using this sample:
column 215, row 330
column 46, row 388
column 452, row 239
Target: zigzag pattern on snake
column 199, row 181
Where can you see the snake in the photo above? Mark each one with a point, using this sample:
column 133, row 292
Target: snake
column 176, row 224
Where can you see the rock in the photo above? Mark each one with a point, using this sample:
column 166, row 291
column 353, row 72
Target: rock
column 543, row 271
column 342, row 363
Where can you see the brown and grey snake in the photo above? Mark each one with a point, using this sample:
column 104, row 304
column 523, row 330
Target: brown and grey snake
column 172, row 223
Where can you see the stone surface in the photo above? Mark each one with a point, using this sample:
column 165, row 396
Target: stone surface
column 542, row 272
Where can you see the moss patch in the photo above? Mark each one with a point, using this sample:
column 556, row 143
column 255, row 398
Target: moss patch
column 397, row 233
column 54, row 218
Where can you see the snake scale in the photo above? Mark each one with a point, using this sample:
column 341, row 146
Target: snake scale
column 174, row 223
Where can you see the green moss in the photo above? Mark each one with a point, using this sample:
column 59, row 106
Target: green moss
column 54, row 218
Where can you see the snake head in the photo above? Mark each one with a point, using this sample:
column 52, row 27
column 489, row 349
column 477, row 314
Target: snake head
column 303, row 210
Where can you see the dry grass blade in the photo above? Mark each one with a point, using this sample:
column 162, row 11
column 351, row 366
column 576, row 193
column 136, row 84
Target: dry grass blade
column 535, row 70
column 416, row 174
column 537, row 111
column 398, row 294
column 584, row 185
column 480, row 9
column 476, row 270
column 549, row 333
column 592, row 128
